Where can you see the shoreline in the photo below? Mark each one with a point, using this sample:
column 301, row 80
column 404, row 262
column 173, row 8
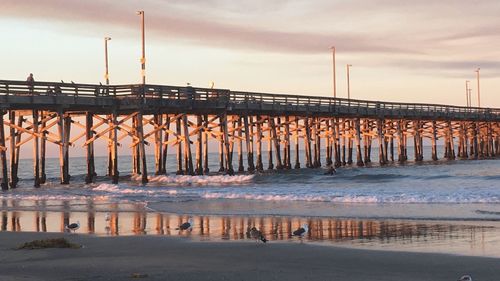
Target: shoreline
column 168, row 258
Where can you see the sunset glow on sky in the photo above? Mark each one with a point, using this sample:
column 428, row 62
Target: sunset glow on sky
column 410, row 51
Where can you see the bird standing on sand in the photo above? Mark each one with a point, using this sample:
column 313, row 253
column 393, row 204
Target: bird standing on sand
column 187, row 225
column 73, row 226
column 465, row 278
column 257, row 235
column 301, row 231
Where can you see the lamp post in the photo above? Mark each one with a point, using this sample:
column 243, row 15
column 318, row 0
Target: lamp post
column 478, row 89
column 106, row 74
column 467, row 93
column 143, row 58
column 348, row 82
column 334, row 74
column 470, row 97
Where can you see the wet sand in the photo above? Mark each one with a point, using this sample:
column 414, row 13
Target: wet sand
column 167, row 258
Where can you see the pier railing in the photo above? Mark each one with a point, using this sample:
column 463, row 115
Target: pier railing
column 237, row 100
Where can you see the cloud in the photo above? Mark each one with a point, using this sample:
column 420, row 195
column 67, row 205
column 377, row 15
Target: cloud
column 190, row 25
column 424, row 34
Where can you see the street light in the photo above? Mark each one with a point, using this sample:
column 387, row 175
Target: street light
column 106, row 74
column 467, row 92
column 478, row 89
column 470, row 97
column 143, row 58
column 334, row 75
column 348, row 82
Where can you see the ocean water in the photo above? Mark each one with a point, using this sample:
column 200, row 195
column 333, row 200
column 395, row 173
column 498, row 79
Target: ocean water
column 425, row 206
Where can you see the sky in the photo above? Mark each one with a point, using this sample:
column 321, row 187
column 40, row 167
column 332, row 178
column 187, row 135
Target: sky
column 403, row 51
column 408, row 51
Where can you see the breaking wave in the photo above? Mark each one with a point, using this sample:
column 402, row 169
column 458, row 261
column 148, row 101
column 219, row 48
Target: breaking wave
column 199, row 180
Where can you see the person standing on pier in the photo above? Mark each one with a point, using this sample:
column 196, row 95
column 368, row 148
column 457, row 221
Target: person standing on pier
column 30, row 81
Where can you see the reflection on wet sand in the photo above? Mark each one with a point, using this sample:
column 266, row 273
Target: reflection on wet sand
column 117, row 219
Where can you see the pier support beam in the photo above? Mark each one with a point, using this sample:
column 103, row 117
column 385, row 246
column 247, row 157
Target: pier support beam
column 297, row 148
column 288, row 164
column 221, row 144
column 249, row 142
column 187, row 147
column 142, row 149
column 307, row 142
column 276, row 139
column 90, row 148
column 199, row 145
column 241, row 168
column 270, row 165
column 165, row 145
column 229, row 164
column 14, row 160
column 258, row 124
column 382, row 149
column 63, row 127
column 359, row 156
column 114, row 148
column 179, row 147
column 158, row 123
column 43, row 148
column 434, row 141
column 3, row 156
column 338, row 163
column 206, row 170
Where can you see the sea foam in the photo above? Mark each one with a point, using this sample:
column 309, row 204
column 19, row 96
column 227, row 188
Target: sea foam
column 199, row 180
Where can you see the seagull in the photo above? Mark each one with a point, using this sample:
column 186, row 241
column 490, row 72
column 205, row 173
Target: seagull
column 465, row 278
column 187, row 225
column 257, row 235
column 301, row 231
column 73, row 226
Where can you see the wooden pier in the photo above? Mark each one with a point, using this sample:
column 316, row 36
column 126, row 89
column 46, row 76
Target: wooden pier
column 185, row 118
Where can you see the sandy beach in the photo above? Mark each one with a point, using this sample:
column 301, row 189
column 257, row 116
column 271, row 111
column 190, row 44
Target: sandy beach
column 166, row 258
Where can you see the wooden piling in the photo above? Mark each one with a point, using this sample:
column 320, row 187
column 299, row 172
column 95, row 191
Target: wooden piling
column 249, row 142
column 221, row 144
column 187, row 146
column 307, row 142
column 229, row 163
column 90, row 148
column 63, row 147
column 258, row 124
column 270, row 165
column 43, row 147
column 343, row 140
column 276, row 139
column 142, row 149
column 338, row 163
column 179, row 147
column 199, row 145
column 296, row 139
column 288, row 164
column 114, row 148
column 434, row 141
column 382, row 150
column 349, row 142
column 158, row 123
column 164, row 149
column 67, row 134
column 3, row 156
column 206, row 169
column 357, row 136
column 241, row 168
column 13, row 149
column 328, row 142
